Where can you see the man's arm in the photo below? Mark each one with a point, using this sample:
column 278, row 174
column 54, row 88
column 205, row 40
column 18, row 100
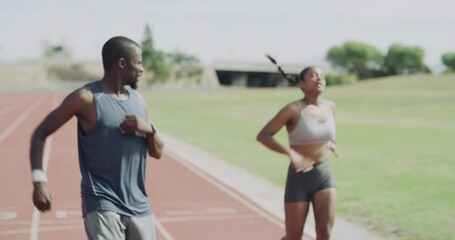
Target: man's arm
column 155, row 144
column 70, row 106
column 133, row 124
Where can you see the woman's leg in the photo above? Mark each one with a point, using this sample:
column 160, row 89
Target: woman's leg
column 324, row 206
column 295, row 214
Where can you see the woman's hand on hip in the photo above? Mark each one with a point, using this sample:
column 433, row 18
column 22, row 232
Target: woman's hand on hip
column 299, row 162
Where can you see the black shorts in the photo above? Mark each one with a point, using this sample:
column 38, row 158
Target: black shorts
column 300, row 186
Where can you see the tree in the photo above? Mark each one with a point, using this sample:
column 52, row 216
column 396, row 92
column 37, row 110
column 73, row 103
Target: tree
column 184, row 65
column 164, row 66
column 357, row 58
column 152, row 59
column 448, row 59
column 402, row 59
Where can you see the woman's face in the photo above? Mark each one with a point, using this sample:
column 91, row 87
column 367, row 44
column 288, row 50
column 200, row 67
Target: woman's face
column 313, row 80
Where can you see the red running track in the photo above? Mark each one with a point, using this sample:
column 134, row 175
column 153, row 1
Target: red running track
column 187, row 203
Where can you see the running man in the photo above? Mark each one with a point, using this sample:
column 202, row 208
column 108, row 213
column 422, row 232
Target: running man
column 114, row 136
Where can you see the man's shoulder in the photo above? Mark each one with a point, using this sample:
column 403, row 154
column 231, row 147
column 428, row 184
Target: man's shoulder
column 83, row 94
column 137, row 94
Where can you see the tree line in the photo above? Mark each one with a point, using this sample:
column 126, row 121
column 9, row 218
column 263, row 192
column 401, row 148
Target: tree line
column 351, row 61
column 364, row 61
column 164, row 66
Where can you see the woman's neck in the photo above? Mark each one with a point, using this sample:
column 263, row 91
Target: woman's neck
column 312, row 99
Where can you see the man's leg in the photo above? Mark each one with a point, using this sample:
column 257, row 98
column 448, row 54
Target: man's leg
column 104, row 226
column 141, row 228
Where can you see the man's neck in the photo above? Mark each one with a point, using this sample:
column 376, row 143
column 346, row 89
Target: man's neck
column 113, row 86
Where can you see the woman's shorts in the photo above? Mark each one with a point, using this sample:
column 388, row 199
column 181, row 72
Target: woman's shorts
column 300, row 186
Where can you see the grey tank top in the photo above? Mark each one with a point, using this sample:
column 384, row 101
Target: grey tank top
column 113, row 164
column 309, row 131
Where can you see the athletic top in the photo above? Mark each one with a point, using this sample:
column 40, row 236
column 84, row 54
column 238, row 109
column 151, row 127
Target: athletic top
column 309, row 131
column 113, row 164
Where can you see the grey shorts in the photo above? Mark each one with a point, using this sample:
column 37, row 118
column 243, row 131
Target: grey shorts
column 113, row 226
column 300, row 186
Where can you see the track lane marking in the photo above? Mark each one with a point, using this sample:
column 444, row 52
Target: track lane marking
column 6, row 109
column 44, row 229
column 163, row 231
column 46, row 158
column 20, row 119
column 208, row 218
column 225, row 189
column 207, row 211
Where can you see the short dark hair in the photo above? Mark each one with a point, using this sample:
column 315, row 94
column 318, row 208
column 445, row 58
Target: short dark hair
column 116, row 48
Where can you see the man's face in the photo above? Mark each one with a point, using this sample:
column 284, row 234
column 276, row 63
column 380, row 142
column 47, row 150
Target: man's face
column 134, row 68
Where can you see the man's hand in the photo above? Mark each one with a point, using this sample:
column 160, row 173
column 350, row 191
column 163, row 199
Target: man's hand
column 133, row 124
column 41, row 196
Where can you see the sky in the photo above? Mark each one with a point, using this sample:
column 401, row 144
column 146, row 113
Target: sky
column 293, row 31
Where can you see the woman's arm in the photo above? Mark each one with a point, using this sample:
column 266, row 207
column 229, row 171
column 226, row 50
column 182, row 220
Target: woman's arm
column 266, row 135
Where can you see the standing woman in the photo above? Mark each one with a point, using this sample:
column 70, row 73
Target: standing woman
column 310, row 125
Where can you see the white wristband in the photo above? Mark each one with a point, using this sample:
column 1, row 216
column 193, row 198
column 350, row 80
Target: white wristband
column 38, row 175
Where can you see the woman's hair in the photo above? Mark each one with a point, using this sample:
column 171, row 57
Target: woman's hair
column 290, row 78
column 116, row 48
column 304, row 71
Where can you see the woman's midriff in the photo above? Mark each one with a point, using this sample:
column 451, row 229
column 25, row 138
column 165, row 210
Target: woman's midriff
column 317, row 152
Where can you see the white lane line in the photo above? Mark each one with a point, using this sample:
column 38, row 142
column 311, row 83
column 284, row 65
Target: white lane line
column 7, row 215
column 20, row 119
column 42, row 222
column 6, row 109
column 64, row 214
column 43, row 229
column 208, row 218
column 162, row 230
column 223, row 188
column 207, row 211
column 46, row 159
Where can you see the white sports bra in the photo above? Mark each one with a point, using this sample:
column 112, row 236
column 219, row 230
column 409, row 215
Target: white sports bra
column 308, row 131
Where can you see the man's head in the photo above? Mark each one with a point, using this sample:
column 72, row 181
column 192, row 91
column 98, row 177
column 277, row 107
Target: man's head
column 116, row 48
column 124, row 53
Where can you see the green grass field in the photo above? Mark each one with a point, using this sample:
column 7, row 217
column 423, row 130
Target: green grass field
column 394, row 136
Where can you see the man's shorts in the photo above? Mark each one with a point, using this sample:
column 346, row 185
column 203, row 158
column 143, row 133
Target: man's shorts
column 113, row 226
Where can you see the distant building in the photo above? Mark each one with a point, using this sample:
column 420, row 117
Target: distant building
column 252, row 74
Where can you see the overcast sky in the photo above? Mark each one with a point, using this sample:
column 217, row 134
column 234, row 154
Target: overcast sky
column 294, row 31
